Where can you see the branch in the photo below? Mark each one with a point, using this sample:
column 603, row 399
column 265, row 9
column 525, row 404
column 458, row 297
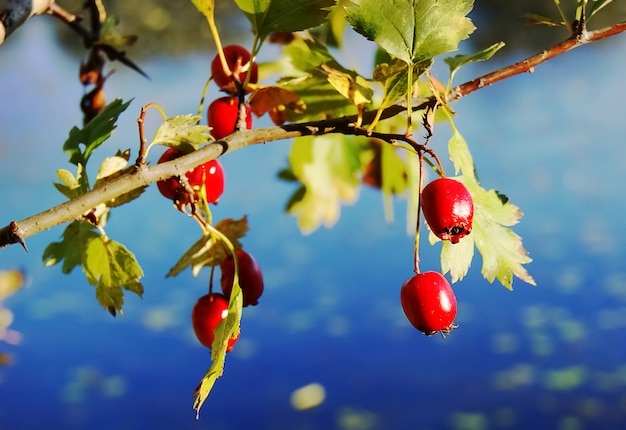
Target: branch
column 528, row 65
column 139, row 176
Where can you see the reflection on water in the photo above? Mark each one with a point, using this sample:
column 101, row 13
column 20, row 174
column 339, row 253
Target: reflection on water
column 328, row 346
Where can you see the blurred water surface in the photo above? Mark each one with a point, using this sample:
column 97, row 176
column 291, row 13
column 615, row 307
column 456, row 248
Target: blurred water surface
column 550, row 356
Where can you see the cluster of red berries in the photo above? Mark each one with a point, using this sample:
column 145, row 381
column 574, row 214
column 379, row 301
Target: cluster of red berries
column 212, row 308
column 223, row 113
column 222, row 116
column 427, row 298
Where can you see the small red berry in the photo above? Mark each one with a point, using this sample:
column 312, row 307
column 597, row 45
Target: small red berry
column 250, row 277
column 237, row 58
column 429, row 303
column 448, row 209
column 211, row 172
column 222, row 116
column 206, row 315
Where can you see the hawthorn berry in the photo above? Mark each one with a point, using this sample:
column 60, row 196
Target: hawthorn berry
column 206, row 315
column 211, row 172
column 250, row 277
column 238, row 59
column 222, row 116
column 429, row 303
column 448, row 208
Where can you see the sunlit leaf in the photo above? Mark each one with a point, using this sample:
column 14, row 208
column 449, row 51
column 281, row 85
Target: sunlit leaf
column 107, row 264
column 312, row 84
column 329, row 169
column 111, row 267
column 412, row 31
column 182, row 129
column 82, row 142
column 349, row 84
column 209, row 250
column 456, row 62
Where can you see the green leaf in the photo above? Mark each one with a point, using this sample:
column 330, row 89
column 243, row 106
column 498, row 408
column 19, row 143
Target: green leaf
column 206, row 7
column 412, row 30
column 267, row 16
column 111, row 168
column 397, row 84
column 309, row 80
column 456, row 62
column 228, row 328
column 456, row 259
column 72, row 248
column 110, row 267
column 82, row 142
column 209, row 250
column 71, row 186
column 329, row 168
column 182, row 130
column 107, row 264
column 460, row 153
column 349, row 84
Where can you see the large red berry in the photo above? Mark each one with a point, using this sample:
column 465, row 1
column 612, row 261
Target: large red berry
column 222, row 116
column 211, row 172
column 207, row 313
column 250, row 277
column 237, row 58
column 448, row 209
column 429, row 303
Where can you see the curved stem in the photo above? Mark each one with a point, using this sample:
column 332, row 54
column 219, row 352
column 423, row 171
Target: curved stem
column 416, row 256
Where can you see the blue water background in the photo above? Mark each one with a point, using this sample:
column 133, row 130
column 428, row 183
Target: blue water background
column 545, row 357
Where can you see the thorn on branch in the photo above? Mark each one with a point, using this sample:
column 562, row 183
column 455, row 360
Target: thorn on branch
column 12, row 234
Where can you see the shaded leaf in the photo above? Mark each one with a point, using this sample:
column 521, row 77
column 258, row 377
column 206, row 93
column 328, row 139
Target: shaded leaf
column 535, row 19
column 267, row 16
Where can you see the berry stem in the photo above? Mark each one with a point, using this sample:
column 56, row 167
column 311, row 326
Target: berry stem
column 416, row 257
column 201, row 104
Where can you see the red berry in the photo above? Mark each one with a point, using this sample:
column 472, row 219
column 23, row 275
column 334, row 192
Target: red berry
column 429, row 303
column 222, row 116
column 211, row 171
column 207, row 313
column 250, row 277
column 448, row 209
column 237, row 58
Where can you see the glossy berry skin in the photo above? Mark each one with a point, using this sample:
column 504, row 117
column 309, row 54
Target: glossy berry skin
column 448, row 209
column 237, row 57
column 222, row 116
column 206, row 314
column 250, row 277
column 211, row 171
column 429, row 303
